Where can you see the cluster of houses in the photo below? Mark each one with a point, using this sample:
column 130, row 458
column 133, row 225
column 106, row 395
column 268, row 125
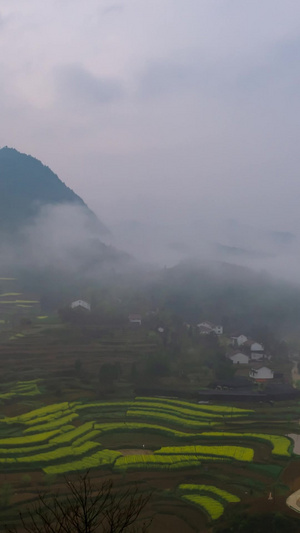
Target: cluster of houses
column 243, row 351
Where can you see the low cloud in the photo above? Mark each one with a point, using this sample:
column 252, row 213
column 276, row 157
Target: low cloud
column 62, row 238
column 76, row 84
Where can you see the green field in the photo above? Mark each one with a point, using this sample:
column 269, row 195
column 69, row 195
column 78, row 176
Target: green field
column 207, row 452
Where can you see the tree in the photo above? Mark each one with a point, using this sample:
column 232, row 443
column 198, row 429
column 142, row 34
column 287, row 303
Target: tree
column 108, row 373
column 87, row 508
column 157, row 366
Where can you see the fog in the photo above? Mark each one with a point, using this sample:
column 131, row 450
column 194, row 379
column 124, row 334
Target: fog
column 62, row 238
column 176, row 122
column 66, row 238
column 219, row 240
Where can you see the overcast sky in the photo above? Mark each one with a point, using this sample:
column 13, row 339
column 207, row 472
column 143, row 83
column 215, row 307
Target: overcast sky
column 159, row 110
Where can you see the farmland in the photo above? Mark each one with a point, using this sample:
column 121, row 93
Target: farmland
column 200, row 456
column 202, row 463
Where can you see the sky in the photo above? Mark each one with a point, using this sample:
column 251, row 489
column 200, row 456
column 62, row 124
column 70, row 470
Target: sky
column 173, row 115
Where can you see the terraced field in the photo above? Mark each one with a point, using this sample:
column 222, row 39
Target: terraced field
column 208, row 497
column 199, row 455
column 20, row 388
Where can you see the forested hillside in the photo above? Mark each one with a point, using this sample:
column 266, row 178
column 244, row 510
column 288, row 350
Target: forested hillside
column 26, row 185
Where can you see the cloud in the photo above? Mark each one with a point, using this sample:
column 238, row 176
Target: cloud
column 114, row 8
column 165, row 77
column 77, row 84
column 276, row 69
column 171, row 109
column 63, row 238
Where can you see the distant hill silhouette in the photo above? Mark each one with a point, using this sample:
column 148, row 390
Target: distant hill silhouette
column 48, row 236
column 26, row 185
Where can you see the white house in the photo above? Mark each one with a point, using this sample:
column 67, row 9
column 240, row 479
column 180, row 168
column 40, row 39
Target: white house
column 261, row 374
column 239, row 340
column 256, row 347
column 80, row 304
column 208, row 327
column 218, row 330
column 240, row 358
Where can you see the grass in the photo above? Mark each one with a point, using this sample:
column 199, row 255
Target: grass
column 46, row 435
column 100, row 458
column 221, row 409
column 223, row 494
column 155, row 462
column 234, row 452
column 177, row 420
column 280, row 445
column 213, row 508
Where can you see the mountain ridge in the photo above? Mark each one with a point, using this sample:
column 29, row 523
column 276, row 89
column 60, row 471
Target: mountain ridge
column 26, row 184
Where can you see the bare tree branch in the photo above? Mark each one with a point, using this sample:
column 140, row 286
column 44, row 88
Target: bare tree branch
column 85, row 508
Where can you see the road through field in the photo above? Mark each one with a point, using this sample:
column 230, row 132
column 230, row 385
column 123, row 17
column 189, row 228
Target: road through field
column 293, row 501
column 296, row 439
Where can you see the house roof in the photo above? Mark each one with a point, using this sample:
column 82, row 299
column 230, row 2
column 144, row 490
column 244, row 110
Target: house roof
column 261, row 367
column 208, row 323
column 83, row 303
column 134, row 317
column 240, row 354
column 203, row 326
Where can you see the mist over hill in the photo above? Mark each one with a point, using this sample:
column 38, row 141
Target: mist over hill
column 53, row 243
column 45, row 227
column 26, row 185
column 210, row 237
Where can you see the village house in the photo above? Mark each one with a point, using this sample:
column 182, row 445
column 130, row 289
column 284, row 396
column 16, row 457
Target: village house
column 239, row 358
column 204, row 330
column 256, row 347
column 208, row 327
column 238, row 340
column 261, row 374
column 135, row 320
column 80, row 304
column 256, row 351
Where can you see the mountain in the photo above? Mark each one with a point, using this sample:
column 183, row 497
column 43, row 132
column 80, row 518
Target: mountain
column 49, row 238
column 26, row 185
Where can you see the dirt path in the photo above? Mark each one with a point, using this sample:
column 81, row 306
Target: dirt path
column 295, row 375
column 296, row 439
column 293, row 501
